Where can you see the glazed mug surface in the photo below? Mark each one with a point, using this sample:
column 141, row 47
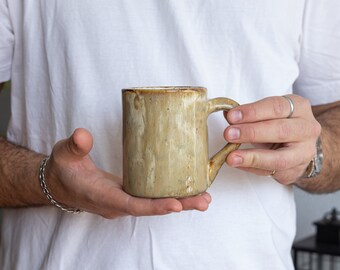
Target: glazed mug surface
column 165, row 141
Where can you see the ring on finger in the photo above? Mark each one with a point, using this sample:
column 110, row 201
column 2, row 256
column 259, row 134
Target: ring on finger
column 291, row 106
column 272, row 173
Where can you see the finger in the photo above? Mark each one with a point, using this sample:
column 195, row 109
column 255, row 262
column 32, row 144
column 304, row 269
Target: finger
column 279, row 160
column 268, row 108
column 286, row 177
column 78, row 145
column 200, row 202
column 141, row 207
column 148, row 207
column 282, row 130
column 260, row 172
column 107, row 198
column 290, row 176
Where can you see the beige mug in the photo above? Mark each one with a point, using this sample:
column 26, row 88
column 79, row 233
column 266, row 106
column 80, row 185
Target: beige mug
column 165, row 141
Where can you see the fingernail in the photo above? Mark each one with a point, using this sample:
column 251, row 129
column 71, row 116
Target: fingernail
column 235, row 116
column 237, row 160
column 234, row 133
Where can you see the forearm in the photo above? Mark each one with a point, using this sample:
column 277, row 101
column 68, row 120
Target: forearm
column 329, row 178
column 19, row 170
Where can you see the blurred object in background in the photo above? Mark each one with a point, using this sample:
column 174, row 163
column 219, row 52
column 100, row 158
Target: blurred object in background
column 321, row 250
column 4, row 112
column 328, row 228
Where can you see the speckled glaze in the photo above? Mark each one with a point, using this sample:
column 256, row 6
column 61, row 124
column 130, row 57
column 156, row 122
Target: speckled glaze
column 165, row 141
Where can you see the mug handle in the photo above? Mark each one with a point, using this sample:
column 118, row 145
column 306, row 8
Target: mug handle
column 216, row 162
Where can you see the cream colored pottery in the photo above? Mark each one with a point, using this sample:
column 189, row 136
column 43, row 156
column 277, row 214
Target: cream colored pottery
column 165, row 141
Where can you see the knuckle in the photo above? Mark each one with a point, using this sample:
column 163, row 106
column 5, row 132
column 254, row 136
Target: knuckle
column 311, row 155
column 250, row 111
column 132, row 212
column 304, row 102
column 253, row 160
column 284, row 181
column 316, row 129
column 279, row 105
column 250, row 133
column 130, row 209
column 284, row 131
column 281, row 164
column 161, row 212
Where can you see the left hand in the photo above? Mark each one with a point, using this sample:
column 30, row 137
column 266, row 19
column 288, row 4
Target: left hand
column 264, row 123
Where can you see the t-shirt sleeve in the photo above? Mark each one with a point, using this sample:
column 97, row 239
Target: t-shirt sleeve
column 6, row 42
column 319, row 78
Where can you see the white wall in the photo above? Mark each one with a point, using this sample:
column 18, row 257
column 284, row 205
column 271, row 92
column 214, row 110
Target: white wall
column 309, row 207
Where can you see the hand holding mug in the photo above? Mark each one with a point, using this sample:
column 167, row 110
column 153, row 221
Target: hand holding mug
column 287, row 123
column 75, row 181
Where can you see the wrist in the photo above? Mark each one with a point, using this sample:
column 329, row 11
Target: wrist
column 315, row 165
column 45, row 189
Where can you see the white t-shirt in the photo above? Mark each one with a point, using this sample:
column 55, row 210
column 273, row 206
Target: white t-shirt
column 69, row 60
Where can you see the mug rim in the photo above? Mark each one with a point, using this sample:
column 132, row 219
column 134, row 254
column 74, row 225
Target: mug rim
column 165, row 88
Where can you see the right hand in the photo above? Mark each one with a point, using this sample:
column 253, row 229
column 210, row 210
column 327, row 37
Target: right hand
column 74, row 181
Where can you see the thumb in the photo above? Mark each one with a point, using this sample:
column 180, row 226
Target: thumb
column 77, row 146
column 80, row 143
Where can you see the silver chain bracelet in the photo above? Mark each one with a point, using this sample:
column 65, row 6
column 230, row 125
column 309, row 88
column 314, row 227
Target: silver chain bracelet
column 42, row 170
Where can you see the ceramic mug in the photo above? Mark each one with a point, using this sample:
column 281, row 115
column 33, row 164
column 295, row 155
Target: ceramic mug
column 165, row 141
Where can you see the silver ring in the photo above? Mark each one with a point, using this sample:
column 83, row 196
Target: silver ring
column 291, row 104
